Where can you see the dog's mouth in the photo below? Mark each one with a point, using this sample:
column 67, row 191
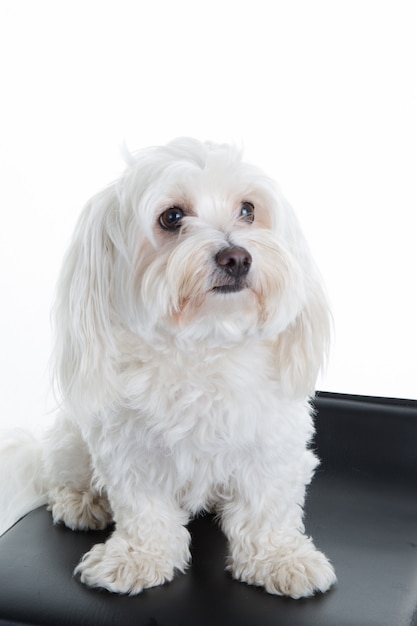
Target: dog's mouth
column 233, row 288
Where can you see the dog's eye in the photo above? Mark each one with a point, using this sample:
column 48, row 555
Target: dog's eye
column 171, row 218
column 247, row 212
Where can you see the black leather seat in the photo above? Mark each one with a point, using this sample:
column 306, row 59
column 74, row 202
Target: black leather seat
column 361, row 510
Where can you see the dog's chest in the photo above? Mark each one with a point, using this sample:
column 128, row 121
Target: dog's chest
column 195, row 419
column 208, row 398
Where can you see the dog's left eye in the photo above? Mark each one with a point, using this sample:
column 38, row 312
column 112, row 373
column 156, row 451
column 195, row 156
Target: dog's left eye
column 247, row 212
column 171, row 218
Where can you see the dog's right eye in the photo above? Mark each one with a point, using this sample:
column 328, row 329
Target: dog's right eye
column 171, row 218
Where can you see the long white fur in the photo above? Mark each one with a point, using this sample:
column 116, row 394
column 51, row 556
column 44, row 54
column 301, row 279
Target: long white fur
column 176, row 398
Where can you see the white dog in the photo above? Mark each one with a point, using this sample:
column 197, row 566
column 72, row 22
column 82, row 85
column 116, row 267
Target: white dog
column 190, row 327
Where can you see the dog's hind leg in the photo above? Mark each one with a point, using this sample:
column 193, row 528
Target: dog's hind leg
column 72, row 496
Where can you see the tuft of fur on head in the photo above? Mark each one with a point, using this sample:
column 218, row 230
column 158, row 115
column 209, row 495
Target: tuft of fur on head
column 127, row 281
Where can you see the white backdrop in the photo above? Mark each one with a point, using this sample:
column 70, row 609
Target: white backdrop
column 322, row 94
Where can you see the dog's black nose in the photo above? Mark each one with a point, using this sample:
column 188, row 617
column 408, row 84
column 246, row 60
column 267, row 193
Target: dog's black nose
column 235, row 261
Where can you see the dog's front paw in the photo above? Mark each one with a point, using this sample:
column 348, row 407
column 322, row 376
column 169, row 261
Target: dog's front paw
column 122, row 566
column 295, row 569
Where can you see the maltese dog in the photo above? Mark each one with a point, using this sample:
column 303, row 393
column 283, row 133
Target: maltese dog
column 191, row 323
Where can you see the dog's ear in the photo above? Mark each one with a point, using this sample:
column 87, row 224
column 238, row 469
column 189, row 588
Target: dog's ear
column 85, row 350
column 302, row 348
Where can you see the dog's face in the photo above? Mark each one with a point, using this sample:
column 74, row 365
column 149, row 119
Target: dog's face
column 190, row 248
column 213, row 248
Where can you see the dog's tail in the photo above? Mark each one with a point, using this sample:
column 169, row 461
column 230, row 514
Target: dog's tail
column 22, row 481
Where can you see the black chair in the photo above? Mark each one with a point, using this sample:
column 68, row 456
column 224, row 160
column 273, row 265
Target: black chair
column 361, row 510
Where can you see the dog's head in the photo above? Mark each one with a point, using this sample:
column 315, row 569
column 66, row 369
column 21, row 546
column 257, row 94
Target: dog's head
column 191, row 245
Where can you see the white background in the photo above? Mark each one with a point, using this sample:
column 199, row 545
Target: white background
column 322, row 94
